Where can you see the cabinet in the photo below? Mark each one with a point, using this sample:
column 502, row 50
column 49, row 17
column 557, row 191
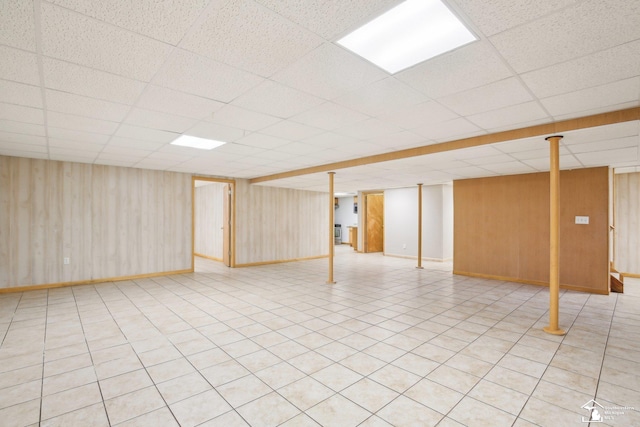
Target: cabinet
column 353, row 237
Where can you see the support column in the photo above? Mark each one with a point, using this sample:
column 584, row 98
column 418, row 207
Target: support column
column 554, row 236
column 419, row 226
column 331, row 228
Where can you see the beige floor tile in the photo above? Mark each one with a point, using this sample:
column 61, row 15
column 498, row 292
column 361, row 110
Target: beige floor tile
column 279, row 375
column 67, row 364
column 433, row 352
column 305, row 393
column 337, row 377
column 404, row 412
column 369, row 394
column 543, row 414
column 336, row 351
column 20, row 376
column 501, row 397
column 116, row 367
column 434, row 395
column 70, row 400
column 339, row 412
column 415, row 364
column 469, row 365
column 454, row 379
column 269, row 410
column 208, row 358
column 310, row 362
column 512, row 379
column 228, row 419
column 243, row 390
column 385, row 352
column 473, row 412
column 563, row 397
column 288, row 350
column 134, row 404
column 363, row 363
column 160, row 417
column 20, row 393
column 169, row 370
column 375, row 421
column 241, row 348
column 395, row 378
column 22, row 414
column 183, row 387
column 301, row 420
column 94, row 415
column 159, row 355
column 68, row 380
column 125, row 383
column 199, row 408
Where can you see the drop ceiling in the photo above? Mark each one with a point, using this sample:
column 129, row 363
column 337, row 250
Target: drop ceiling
column 113, row 83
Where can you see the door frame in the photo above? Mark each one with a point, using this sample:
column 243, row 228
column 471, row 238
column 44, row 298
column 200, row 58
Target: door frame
column 363, row 206
column 232, row 217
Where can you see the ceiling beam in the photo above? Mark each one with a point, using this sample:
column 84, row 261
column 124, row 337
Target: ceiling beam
column 602, row 119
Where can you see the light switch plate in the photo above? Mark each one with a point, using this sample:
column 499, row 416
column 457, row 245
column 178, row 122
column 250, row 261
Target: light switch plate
column 582, row 220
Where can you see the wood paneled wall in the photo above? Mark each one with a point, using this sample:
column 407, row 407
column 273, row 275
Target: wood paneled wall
column 208, row 220
column 109, row 221
column 501, row 228
column 278, row 224
column 627, row 221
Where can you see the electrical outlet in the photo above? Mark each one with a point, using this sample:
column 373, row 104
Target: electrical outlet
column 404, row 246
column 582, row 220
column 67, row 261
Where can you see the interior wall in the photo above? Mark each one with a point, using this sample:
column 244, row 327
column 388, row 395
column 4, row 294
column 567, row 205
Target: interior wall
column 401, row 222
column 501, row 228
column 627, row 221
column 344, row 216
column 209, row 220
column 109, row 221
column 279, row 224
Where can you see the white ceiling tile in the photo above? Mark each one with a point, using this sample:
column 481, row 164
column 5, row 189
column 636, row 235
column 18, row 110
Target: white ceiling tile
column 21, row 113
column 525, row 144
column 329, row 140
column 542, row 164
column 493, row 17
column 509, row 168
column 242, row 118
column 161, row 121
column 512, row 116
column 248, row 36
column 72, row 78
column 361, row 149
column 216, row 132
column 62, row 147
column 170, row 101
column 130, row 151
column 486, row 98
column 162, row 20
column 291, row 130
column 23, row 150
column 382, row 97
column 369, row 129
column 603, row 67
column 300, row 149
column 85, row 124
column 17, row 27
column 187, row 72
column 608, row 157
column 329, row 116
column 599, row 110
column 330, row 18
column 601, row 133
column 238, row 149
column 71, row 157
column 400, row 140
column 70, row 103
column 610, row 144
column 19, row 66
column 328, row 72
column 136, row 144
column 277, row 100
column 108, row 160
column 468, row 172
column 489, row 160
column 73, row 37
column 145, row 134
column 596, row 97
column 586, row 27
column 543, row 152
column 74, row 135
column 20, row 138
column 263, row 141
column 474, row 65
column 23, row 128
column 425, row 114
column 476, row 152
column 456, row 128
column 20, row 94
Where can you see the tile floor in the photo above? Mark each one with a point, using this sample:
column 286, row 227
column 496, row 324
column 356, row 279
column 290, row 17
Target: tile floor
column 388, row 345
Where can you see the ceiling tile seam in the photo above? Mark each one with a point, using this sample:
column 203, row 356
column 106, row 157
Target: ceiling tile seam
column 38, row 39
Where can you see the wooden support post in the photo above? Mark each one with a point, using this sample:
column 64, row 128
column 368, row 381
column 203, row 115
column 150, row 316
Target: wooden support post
column 419, row 226
column 331, row 228
column 554, row 236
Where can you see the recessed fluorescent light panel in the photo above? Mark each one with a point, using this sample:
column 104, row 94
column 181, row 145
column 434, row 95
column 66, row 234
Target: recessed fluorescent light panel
column 408, row 34
column 195, row 142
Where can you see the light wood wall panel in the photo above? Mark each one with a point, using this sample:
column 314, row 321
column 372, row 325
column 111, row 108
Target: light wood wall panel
column 208, row 219
column 278, row 224
column 627, row 232
column 501, row 228
column 110, row 221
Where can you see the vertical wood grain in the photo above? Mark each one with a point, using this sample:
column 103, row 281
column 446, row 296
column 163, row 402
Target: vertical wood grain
column 109, row 221
column 375, row 223
column 501, row 227
column 627, row 221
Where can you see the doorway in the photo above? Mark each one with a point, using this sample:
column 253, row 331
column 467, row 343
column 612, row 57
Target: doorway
column 213, row 221
column 373, row 222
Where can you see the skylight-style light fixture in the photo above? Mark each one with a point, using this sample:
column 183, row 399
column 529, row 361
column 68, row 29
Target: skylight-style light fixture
column 195, row 142
column 411, row 32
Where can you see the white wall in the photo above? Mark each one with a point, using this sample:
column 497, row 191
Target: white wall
column 344, row 215
column 401, row 222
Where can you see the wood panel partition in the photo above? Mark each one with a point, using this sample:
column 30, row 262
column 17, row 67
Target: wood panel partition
column 501, row 228
column 627, row 221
